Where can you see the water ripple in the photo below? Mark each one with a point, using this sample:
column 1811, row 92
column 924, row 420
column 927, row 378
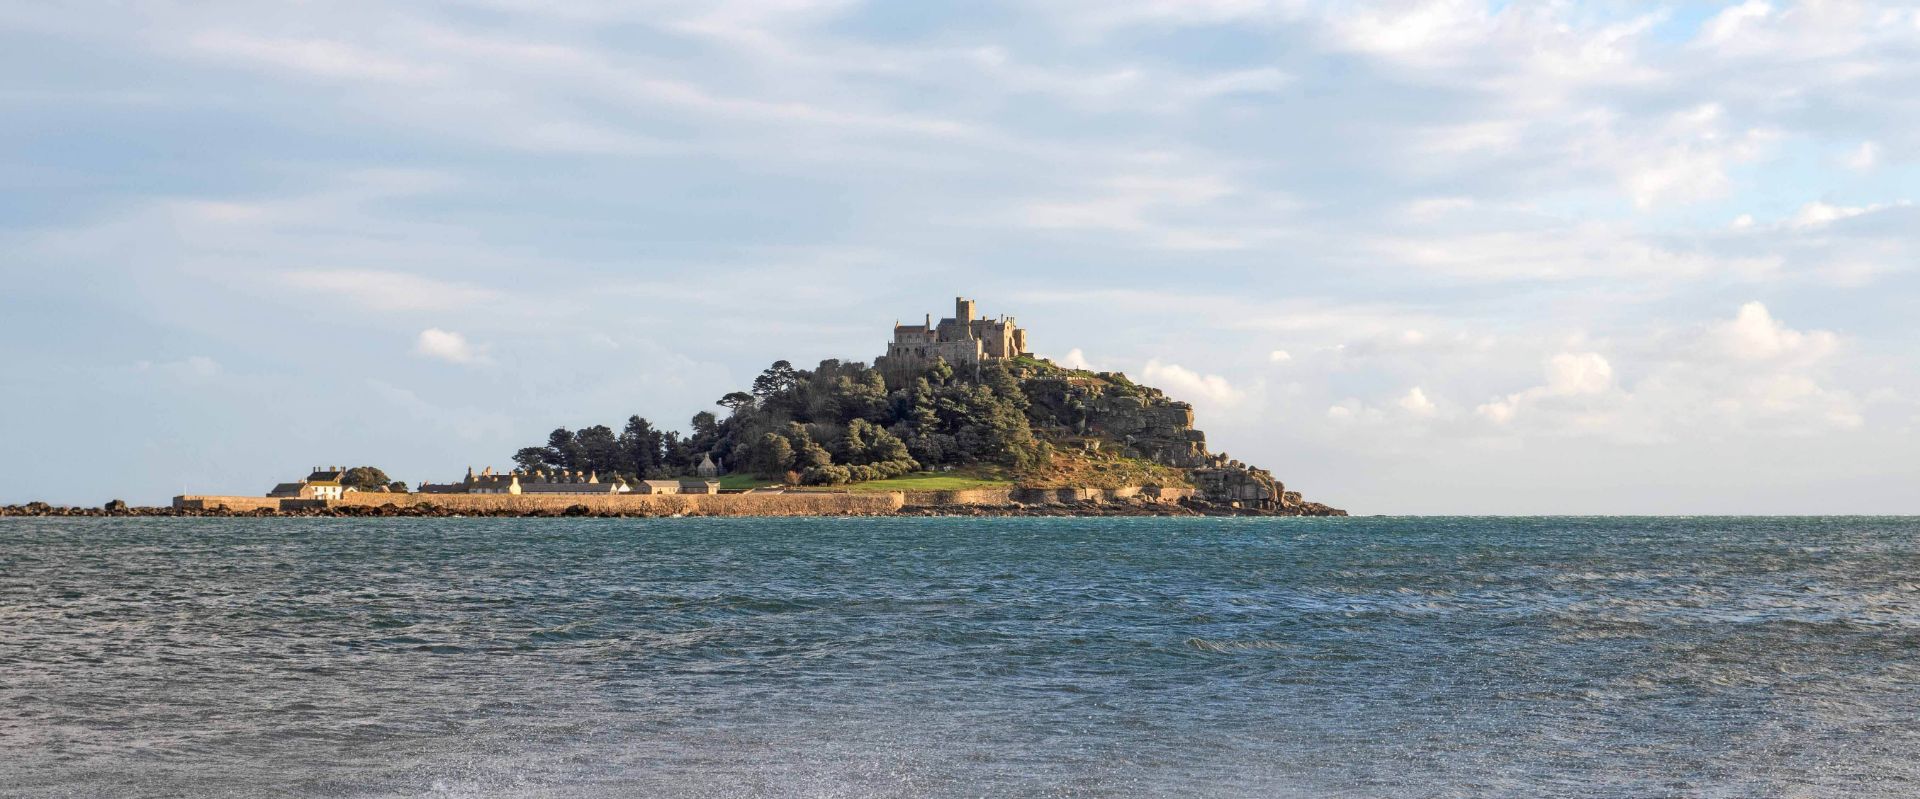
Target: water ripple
column 960, row 657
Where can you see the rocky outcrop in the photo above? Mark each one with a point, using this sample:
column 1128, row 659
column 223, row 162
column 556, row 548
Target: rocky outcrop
column 1234, row 482
column 1142, row 422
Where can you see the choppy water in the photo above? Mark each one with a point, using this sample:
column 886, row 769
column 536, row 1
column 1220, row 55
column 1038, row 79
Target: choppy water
column 948, row 657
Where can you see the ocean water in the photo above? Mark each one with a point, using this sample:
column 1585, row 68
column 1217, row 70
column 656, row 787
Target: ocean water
column 1388, row 657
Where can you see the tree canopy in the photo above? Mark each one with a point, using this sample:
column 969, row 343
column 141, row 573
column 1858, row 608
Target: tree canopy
column 837, row 423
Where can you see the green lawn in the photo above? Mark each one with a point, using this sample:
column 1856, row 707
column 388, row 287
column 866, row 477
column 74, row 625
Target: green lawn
column 742, row 480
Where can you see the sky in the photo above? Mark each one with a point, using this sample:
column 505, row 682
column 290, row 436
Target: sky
column 1436, row 257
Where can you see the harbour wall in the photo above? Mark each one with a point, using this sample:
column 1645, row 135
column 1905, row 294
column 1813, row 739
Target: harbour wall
column 792, row 503
column 1045, row 496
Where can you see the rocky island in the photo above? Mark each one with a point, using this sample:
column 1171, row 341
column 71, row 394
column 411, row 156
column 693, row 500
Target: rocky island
column 956, row 417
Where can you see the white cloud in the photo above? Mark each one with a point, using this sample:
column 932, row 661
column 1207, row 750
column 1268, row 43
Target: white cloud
column 1077, row 359
column 316, row 57
column 1573, row 374
column 1568, row 375
column 1180, row 212
column 389, row 291
column 1863, row 158
column 1416, row 403
column 194, row 368
column 1754, row 335
column 1183, row 383
column 1560, row 252
column 1279, row 356
column 1751, row 374
column 1685, row 158
column 1728, row 25
column 446, row 345
column 1818, row 214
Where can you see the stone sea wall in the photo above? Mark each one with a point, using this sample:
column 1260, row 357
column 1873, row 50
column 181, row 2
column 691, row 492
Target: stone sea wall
column 796, row 503
column 791, row 504
column 1046, row 496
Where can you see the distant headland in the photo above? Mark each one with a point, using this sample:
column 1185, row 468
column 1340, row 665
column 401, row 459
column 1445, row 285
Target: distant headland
column 957, row 416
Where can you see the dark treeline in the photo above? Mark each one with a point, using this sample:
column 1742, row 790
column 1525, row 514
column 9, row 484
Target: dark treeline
column 836, row 423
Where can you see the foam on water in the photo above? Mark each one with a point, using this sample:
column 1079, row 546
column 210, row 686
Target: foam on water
column 951, row 657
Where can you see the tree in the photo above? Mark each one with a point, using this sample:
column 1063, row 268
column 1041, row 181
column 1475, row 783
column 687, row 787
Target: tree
column 705, row 425
column 563, row 451
column 812, row 455
column 770, row 456
column 599, row 450
column 530, row 458
column 365, row 478
column 398, row 487
column 940, row 371
column 642, row 446
column 779, row 378
column 735, row 401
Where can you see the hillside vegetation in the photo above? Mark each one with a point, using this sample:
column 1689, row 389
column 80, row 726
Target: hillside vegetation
column 1021, row 422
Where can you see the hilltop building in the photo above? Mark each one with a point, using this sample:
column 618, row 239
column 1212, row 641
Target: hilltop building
column 323, row 483
column 964, row 341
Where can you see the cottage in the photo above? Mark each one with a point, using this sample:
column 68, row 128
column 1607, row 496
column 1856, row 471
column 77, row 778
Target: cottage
column 700, row 486
column 323, row 483
column 657, row 487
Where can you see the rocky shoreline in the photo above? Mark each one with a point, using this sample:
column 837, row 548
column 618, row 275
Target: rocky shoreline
column 1190, row 507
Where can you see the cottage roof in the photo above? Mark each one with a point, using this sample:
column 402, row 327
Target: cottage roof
column 286, row 488
column 326, row 478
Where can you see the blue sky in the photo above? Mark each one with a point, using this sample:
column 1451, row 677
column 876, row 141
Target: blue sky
column 1414, row 257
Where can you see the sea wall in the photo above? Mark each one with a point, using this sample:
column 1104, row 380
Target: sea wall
column 1045, row 496
column 234, row 504
column 792, row 503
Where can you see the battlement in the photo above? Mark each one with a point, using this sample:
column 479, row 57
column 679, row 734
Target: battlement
column 965, row 339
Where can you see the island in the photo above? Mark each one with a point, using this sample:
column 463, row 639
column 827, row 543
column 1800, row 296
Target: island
column 957, row 416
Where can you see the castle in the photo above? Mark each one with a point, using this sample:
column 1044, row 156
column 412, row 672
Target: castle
column 964, row 341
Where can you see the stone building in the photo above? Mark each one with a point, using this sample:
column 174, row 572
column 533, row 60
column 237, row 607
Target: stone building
column 323, row 483
column 964, row 341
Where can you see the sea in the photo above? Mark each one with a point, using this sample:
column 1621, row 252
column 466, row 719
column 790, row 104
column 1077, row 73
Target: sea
column 950, row 657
